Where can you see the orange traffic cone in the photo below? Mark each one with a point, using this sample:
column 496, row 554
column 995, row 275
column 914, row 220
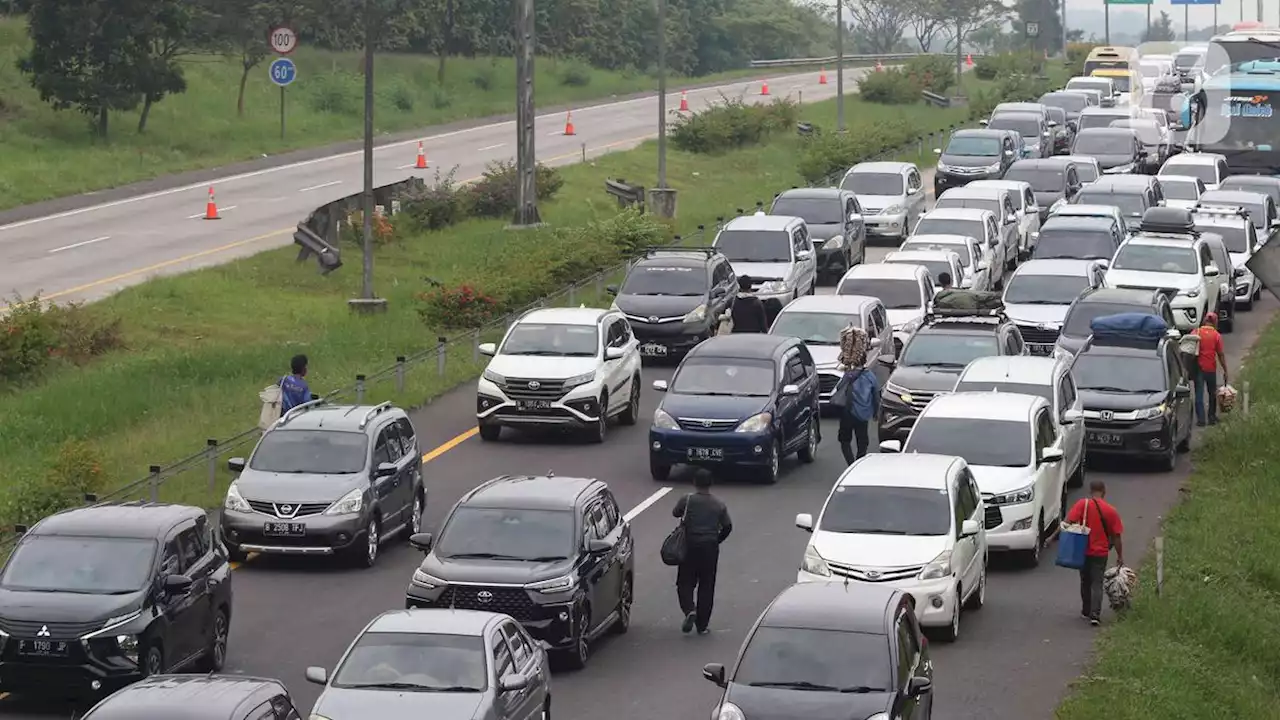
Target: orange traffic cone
column 422, row 158
column 879, row 67
column 764, row 87
column 822, row 77
column 684, row 101
column 968, row 60
column 211, row 207
column 568, row 123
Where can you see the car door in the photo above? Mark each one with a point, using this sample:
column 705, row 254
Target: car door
column 182, row 611
column 526, row 704
column 793, row 408
column 806, row 262
column 385, row 488
column 1222, row 170
column 201, row 562
column 966, row 550
column 598, row 566
column 1030, row 217
column 1005, row 249
column 407, row 461
column 512, row 705
column 1212, row 283
column 617, row 372
column 981, row 263
column 1183, row 407
column 413, row 458
column 1012, row 222
column 1066, row 398
column 915, row 196
column 907, row 652
column 1050, row 478
column 855, row 233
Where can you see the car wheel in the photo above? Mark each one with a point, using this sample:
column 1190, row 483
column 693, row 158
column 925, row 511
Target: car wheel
column 1247, row 305
column 576, row 657
column 631, row 415
column 234, row 553
column 1169, row 459
column 979, row 597
column 366, row 555
column 153, row 661
column 625, row 598
column 600, row 427
column 809, row 452
column 215, row 655
column 775, row 464
column 951, row 633
column 1031, row 558
column 490, row 433
column 1185, row 445
column 1229, row 321
column 414, row 526
column 658, row 471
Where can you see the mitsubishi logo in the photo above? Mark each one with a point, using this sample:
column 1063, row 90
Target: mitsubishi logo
column 534, row 384
column 484, row 596
column 653, row 318
column 44, row 631
column 1107, row 415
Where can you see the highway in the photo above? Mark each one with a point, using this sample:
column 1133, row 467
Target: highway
column 1014, row 660
column 87, row 253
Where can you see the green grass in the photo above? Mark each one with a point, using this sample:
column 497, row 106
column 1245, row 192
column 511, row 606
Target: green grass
column 1206, row 648
column 201, row 345
column 46, row 153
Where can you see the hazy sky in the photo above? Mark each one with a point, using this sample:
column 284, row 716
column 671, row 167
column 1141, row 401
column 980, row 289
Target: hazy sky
column 1200, row 15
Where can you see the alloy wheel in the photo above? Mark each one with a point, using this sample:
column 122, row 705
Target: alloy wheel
column 371, row 545
column 813, row 438
column 154, row 661
column 219, row 658
column 415, row 522
column 624, row 607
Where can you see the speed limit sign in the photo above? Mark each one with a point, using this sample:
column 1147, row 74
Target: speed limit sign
column 283, row 40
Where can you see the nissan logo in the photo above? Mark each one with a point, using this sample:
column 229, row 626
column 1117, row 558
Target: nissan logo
column 534, row 384
column 484, row 596
column 286, row 509
column 1107, row 415
column 44, row 631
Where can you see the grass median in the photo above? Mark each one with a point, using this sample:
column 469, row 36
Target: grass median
column 1206, row 647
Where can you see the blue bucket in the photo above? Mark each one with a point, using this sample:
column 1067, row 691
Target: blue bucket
column 1072, row 543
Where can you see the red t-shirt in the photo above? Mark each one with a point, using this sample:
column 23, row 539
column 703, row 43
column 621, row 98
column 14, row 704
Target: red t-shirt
column 1099, row 511
column 1210, row 346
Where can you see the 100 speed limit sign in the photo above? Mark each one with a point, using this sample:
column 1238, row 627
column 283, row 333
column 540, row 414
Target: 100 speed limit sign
column 283, row 40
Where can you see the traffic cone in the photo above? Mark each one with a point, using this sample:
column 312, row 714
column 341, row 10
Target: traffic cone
column 822, row 77
column 879, row 67
column 968, row 60
column 211, row 207
column 684, row 101
column 422, row 158
column 568, row 123
column 764, row 87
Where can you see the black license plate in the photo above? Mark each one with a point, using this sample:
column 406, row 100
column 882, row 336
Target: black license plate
column 706, row 454
column 1104, row 438
column 533, row 405
column 44, row 648
column 1040, row 349
column 284, row 529
column 653, row 350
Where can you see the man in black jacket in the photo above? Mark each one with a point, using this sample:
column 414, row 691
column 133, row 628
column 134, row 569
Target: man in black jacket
column 749, row 315
column 706, row 525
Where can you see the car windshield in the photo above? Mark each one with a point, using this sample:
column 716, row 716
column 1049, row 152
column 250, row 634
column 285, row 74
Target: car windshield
column 1091, row 120
column 1243, row 183
column 658, row 280
column 1086, row 172
column 814, row 211
column 819, row 660
column 1257, row 213
column 814, row 328
column 1025, row 289
column 992, row 443
column 949, row 226
column 1186, row 61
column 894, row 294
column 948, row 350
column 1074, row 244
column 1207, row 174
column 1131, row 204
column 1150, row 70
column 423, row 662
column 1025, row 127
column 1148, row 132
column 872, row 183
column 923, row 244
column 1058, row 115
column 80, row 565
column 935, row 267
column 881, row 510
column 1088, row 143
column 755, row 245
column 700, row 375
column 1081, row 316
column 552, row 340
column 975, row 203
column 507, row 534
column 1157, row 258
column 1040, row 179
column 1042, row 391
column 1119, row 374
column 1121, row 82
column 973, row 147
column 1071, row 102
column 1235, row 237
column 1180, row 189
column 320, row 452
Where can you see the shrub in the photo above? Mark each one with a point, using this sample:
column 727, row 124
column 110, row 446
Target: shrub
column 494, row 194
column 436, row 206
column 934, row 73
column 76, row 471
column 35, row 333
column 400, row 96
column 337, row 93
column 353, row 228
column 732, row 124
column 890, row 87
column 453, row 308
column 1007, row 64
column 483, row 79
column 1012, row 88
column 576, row 75
column 824, row 155
column 440, row 100
column 1077, row 53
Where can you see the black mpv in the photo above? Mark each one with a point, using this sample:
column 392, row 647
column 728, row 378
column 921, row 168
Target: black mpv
column 555, row 553
column 674, row 298
column 96, row 598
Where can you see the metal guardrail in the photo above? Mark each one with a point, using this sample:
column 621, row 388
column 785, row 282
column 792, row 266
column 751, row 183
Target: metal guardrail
column 831, row 60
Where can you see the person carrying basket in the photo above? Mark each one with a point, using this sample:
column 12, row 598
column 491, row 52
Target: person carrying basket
column 1093, row 527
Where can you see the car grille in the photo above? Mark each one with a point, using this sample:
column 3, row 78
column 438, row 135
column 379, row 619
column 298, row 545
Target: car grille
column 57, row 631
column 511, row 601
column 706, row 424
column 827, row 383
column 1038, row 336
column 921, row 398
column 874, row 574
column 992, row 517
column 528, row 389
column 288, row 510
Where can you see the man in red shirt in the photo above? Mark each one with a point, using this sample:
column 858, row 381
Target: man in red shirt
column 1105, row 529
column 1211, row 358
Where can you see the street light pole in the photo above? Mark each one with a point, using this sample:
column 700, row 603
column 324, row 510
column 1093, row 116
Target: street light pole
column 1064, row 31
column 367, row 200
column 526, row 158
column 840, row 127
column 662, row 94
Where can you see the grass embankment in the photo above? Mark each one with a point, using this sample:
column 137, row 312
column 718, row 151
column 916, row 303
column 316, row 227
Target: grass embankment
column 1207, row 647
column 201, row 345
column 47, row 154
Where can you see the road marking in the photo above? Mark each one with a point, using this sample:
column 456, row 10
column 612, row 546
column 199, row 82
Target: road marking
column 451, row 444
column 73, row 246
column 491, row 147
column 648, row 503
column 321, row 185
column 221, row 210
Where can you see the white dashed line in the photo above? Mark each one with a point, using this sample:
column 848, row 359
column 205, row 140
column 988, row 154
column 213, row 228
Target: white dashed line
column 220, row 210
column 73, row 246
column 491, row 147
column 321, row 185
column 646, row 504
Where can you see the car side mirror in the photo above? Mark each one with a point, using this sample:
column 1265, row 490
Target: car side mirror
column 660, row 385
column 919, row 685
column 611, row 289
column 596, row 546
column 984, row 123
column 875, row 343
column 1050, row 455
column 487, row 349
column 614, row 353
column 177, row 584
column 1008, row 153
column 513, row 683
column 790, row 389
column 1010, row 219
column 715, row 673
column 890, row 446
column 804, row 521
column 421, row 542
column 1072, row 416
column 857, row 217
column 915, row 191
column 888, row 360
column 804, row 255
column 1182, row 391
column 236, row 465
column 969, row 528
column 936, row 151
column 385, row 469
column 317, row 675
column 1211, row 270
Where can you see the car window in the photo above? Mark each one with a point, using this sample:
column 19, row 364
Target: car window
column 1175, row 367
column 968, row 498
column 521, row 651
column 265, row 711
column 958, row 509
column 795, row 371
column 503, row 663
column 1048, row 428
column 394, row 450
column 1015, row 341
column 171, row 561
column 1069, row 394
column 407, row 439
column 189, row 548
column 283, row 707
column 612, row 516
column 203, row 539
column 381, row 453
column 906, row 654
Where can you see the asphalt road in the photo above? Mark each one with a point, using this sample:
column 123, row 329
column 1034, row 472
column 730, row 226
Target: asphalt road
column 1014, row 660
column 87, row 253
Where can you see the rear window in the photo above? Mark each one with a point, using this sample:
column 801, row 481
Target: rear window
column 1074, row 244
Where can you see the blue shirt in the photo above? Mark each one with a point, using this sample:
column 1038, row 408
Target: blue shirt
column 864, row 395
column 293, row 392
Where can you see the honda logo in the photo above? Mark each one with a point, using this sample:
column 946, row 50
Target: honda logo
column 1107, row 415
column 44, row 631
column 484, row 596
column 534, row 384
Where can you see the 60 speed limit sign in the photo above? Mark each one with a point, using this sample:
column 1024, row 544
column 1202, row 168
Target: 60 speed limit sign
column 283, row 40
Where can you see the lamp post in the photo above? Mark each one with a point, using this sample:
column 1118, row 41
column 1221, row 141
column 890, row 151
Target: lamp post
column 367, row 302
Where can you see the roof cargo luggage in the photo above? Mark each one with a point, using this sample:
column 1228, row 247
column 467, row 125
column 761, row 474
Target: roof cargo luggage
column 1172, row 220
column 1128, row 329
column 955, row 302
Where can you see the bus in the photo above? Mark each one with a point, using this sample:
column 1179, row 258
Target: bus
column 1108, row 57
column 1234, row 114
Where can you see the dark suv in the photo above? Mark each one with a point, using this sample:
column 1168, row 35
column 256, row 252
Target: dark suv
column 327, row 479
column 674, row 298
column 96, row 598
column 934, row 357
column 738, row 401
column 973, row 155
column 555, row 553
column 199, row 697
column 835, row 220
column 1108, row 301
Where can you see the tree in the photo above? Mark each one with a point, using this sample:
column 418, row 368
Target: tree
column 163, row 32
column 1161, row 30
column 882, row 22
column 238, row 29
column 1045, row 14
column 964, row 16
column 927, row 18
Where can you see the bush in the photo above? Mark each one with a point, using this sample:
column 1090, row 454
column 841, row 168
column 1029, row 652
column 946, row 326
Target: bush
column 483, row 79
column 453, row 308
column 494, row 194
column 353, row 229
column 934, row 73
column 76, row 471
column 435, row 206
column 1013, row 88
column 825, row 155
column 576, row 75
column 890, row 87
column 1005, row 65
column 441, row 99
column 337, row 93
column 1077, row 53
column 400, row 96
column 35, row 333
column 732, row 124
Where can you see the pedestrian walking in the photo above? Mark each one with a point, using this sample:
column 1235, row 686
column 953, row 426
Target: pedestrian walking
column 1211, row 358
column 749, row 315
column 294, row 390
column 706, row 524
column 1105, row 532
column 857, row 395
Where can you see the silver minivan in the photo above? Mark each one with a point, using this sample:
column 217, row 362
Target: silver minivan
column 892, row 196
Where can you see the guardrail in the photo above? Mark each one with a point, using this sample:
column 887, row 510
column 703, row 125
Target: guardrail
column 832, row 60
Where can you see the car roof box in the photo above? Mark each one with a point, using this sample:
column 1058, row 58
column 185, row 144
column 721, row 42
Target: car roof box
column 966, row 303
column 1129, row 329
column 1168, row 220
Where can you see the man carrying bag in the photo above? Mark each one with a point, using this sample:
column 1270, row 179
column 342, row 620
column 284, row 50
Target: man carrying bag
column 1100, row 523
column 694, row 546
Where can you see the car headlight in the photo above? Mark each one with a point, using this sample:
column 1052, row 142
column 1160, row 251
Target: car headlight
column 755, row 423
column 564, row 583
column 993, row 167
column 900, row 392
column 128, row 645
column 697, row 314
column 427, row 582
column 728, row 711
column 582, row 379
column 836, row 241
column 814, row 564
column 773, row 286
column 348, row 504
column 1151, row 412
column 939, row 567
column 893, row 210
column 494, row 377
column 663, row 420
column 234, row 502
column 1015, row 497
column 1192, row 293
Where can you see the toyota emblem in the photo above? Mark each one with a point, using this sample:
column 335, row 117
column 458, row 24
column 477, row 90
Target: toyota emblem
column 653, row 318
column 1107, row 415
column 873, row 574
column 44, row 631
column 484, row 596
column 286, row 509
column 534, row 384
column 706, row 423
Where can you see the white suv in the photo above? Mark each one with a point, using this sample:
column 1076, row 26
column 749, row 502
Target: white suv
column 570, row 368
column 912, row 522
column 1174, row 263
column 1014, row 446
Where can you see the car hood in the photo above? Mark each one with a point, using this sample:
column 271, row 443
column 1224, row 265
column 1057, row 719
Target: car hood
column 926, row 379
column 968, row 161
column 996, row 480
column 824, row 232
column 496, row 572
column 356, row 704
column 902, row 316
column 296, row 487
column 824, row 355
column 761, row 270
column 872, row 204
column 762, row 703
column 543, row 368
column 1048, row 315
column 1119, row 402
column 1106, row 162
column 713, row 407
column 867, row 550
column 661, row 306
column 1156, row 280
column 53, row 607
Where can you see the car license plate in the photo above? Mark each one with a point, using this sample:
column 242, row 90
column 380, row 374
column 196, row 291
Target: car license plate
column 1040, row 349
column 653, row 350
column 533, row 405
column 706, row 454
column 43, row 648
column 284, row 529
column 1102, row 438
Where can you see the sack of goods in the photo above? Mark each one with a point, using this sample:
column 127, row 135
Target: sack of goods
column 1140, row 327
column 1226, row 398
column 952, row 302
column 1118, row 583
